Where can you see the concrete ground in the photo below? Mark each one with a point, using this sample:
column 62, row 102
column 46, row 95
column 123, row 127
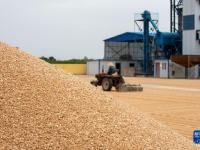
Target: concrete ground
column 174, row 102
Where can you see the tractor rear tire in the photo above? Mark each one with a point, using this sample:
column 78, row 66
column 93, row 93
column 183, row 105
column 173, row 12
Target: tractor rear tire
column 107, row 84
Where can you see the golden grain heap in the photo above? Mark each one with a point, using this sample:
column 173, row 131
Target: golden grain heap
column 44, row 108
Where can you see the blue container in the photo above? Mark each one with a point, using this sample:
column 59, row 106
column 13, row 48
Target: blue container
column 196, row 136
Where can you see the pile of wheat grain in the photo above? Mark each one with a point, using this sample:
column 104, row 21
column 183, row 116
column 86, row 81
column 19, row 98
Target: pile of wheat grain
column 44, row 108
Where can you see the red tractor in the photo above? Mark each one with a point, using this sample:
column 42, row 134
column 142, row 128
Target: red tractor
column 108, row 81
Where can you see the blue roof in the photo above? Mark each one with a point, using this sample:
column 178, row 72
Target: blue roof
column 127, row 37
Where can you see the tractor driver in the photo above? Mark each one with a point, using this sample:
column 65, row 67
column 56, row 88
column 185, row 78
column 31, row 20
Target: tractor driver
column 111, row 69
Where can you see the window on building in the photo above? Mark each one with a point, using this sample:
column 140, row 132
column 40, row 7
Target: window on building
column 131, row 65
column 164, row 66
column 189, row 22
column 198, row 35
column 173, row 72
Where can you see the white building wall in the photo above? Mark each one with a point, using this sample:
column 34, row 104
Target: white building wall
column 126, row 70
column 95, row 67
column 193, row 72
column 176, row 71
column 92, row 67
column 171, row 69
column 191, row 46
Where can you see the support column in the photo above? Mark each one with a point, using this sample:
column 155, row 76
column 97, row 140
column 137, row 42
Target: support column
column 146, row 45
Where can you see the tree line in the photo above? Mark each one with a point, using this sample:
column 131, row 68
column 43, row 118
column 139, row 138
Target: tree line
column 53, row 60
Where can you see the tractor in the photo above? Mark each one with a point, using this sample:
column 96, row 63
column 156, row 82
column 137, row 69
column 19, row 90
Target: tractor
column 108, row 81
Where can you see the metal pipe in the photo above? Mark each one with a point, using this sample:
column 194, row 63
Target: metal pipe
column 146, row 15
column 174, row 15
column 170, row 15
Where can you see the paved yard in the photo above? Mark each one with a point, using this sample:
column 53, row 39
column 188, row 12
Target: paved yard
column 174, row 102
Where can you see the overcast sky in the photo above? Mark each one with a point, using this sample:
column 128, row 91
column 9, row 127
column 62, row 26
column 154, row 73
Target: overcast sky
column 71, row 28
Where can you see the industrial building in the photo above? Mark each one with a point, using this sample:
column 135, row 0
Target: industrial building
column 188, row 26
column 128, row 47
column 174, row 54
column 191, row 27
column 126, row 52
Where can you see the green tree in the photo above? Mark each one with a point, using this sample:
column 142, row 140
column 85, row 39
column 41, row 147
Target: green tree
column 44, row 58
column 52, row 59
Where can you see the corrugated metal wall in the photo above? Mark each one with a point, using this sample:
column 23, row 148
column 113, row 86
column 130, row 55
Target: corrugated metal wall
column 114, row 50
